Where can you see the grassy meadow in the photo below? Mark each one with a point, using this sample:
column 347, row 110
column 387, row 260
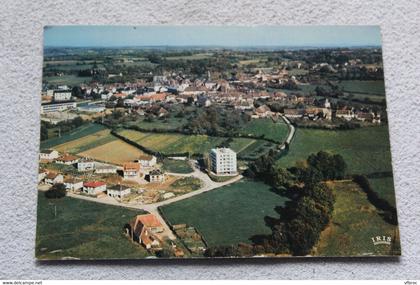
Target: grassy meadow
column 86, row 142
column 83, row 229
column 376, row 87
column 384, row 186
column 228, row 215
column 82, row 131
column 116, row 152
column 169, row 143
column 365, row 150
column 177, row 166
column 355, row 221
column 266, row 127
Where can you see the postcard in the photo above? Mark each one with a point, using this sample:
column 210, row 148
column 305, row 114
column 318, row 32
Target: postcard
column 212, row 141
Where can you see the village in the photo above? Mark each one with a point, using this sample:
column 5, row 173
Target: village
column 154, row 141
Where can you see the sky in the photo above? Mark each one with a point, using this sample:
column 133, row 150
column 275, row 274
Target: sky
column 223, row 36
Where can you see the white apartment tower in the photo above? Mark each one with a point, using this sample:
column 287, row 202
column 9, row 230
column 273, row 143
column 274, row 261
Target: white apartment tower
column 223, row 161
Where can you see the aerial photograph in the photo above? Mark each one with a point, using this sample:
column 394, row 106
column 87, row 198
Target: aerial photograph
column 214, row 141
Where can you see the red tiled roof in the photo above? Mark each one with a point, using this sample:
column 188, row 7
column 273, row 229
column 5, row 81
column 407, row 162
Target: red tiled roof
column 131, row 166
column 93, row 184
column 67, row 157
column 148, row 220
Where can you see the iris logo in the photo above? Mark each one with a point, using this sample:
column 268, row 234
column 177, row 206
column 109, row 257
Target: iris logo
column 381, row 240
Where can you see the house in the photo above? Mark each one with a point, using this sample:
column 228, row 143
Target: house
column 62, row 95
column 131, row 170
column 223, row 161
column 263, row 111
column 293, row 113
column 42, row 173
column 145, row 230
column 118, row 191
column 102, row 168
column 147, row 160
column 73, row 184
column 94, row 187
column 85, row 164
column 67, row 159
column 53, row 178
column 156, row 176
column 48, row 154
column 346, row 114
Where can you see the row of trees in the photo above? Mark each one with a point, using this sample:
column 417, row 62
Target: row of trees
column 62, row 127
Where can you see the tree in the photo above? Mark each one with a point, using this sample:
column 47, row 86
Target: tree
column 44, row 132
column 77, row 92
column 57, row 191
column 78, row 121
column 281, row 178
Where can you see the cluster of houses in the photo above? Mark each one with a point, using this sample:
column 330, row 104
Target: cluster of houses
column 143, row 167
column 240, row 92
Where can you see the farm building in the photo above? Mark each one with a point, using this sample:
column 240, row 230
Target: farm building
column 144, row 229
column 48, row 154
column 73, row 184
column 118, row 191
column 94, row 187
column 67, row 159
column 102, row 168
column 147, row 160
column 53, row 178
column 131, row 170
column 85, row 165
column 156, row 175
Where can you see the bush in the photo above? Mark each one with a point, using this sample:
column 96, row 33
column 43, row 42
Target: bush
column 57, row 191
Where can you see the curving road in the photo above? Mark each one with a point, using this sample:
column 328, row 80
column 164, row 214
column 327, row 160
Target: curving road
column 208, row 185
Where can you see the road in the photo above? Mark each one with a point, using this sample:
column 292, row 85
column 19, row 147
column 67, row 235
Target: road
column 291, row 133
column 152, row 208
column 208, row 185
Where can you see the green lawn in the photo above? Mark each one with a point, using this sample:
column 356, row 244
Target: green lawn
column 266, row 127
column 228, row 215
column 365, row 150
column 376, row 87
column 77, row 133
column 84, row 230
column 177, row 166
column 384, row 186
column 355, row 221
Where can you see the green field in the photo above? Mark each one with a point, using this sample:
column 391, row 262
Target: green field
column 365, row 150
column 195, row 56
column 384, row 186
column 266, row 127
column 71, row 80
column 167, row 124
column 177, row 166
column 365, row 87
column 83, row 229
column 77, row 133
column 256, row 149
column 170, row 143
column 355, row 221
column 228, row 215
